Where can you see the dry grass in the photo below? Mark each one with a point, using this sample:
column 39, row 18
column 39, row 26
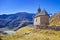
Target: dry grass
column 55, row 20
column 28, row 33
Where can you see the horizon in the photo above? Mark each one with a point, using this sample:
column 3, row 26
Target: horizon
column 29, row 6
column 17, row 12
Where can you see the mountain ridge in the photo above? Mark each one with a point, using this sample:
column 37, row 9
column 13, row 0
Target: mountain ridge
column 55, row 19
column 13, row 20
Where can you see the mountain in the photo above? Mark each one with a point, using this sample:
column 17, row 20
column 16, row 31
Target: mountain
column 55, row 19
column 16, row 20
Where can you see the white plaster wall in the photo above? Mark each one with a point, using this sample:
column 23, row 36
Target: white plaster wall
column 37, row 22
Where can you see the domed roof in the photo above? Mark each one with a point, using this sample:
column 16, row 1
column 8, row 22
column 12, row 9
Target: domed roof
column 39, row 10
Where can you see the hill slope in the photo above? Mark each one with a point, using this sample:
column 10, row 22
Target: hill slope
column 55, row 19
column 14, row 20
column 28, row 33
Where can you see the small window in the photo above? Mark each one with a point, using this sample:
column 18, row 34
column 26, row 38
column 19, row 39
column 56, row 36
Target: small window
column 36, row 20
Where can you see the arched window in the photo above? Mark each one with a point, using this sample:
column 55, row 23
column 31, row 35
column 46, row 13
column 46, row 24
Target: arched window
column 36, row 20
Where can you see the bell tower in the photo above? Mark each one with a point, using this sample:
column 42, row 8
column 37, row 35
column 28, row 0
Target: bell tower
column 39, row 10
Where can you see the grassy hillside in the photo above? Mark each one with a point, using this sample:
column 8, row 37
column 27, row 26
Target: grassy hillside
column 28, row 33
column 55, row 19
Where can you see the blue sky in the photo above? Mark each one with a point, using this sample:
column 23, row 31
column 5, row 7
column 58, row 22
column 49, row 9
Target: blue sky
column 30, row 6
